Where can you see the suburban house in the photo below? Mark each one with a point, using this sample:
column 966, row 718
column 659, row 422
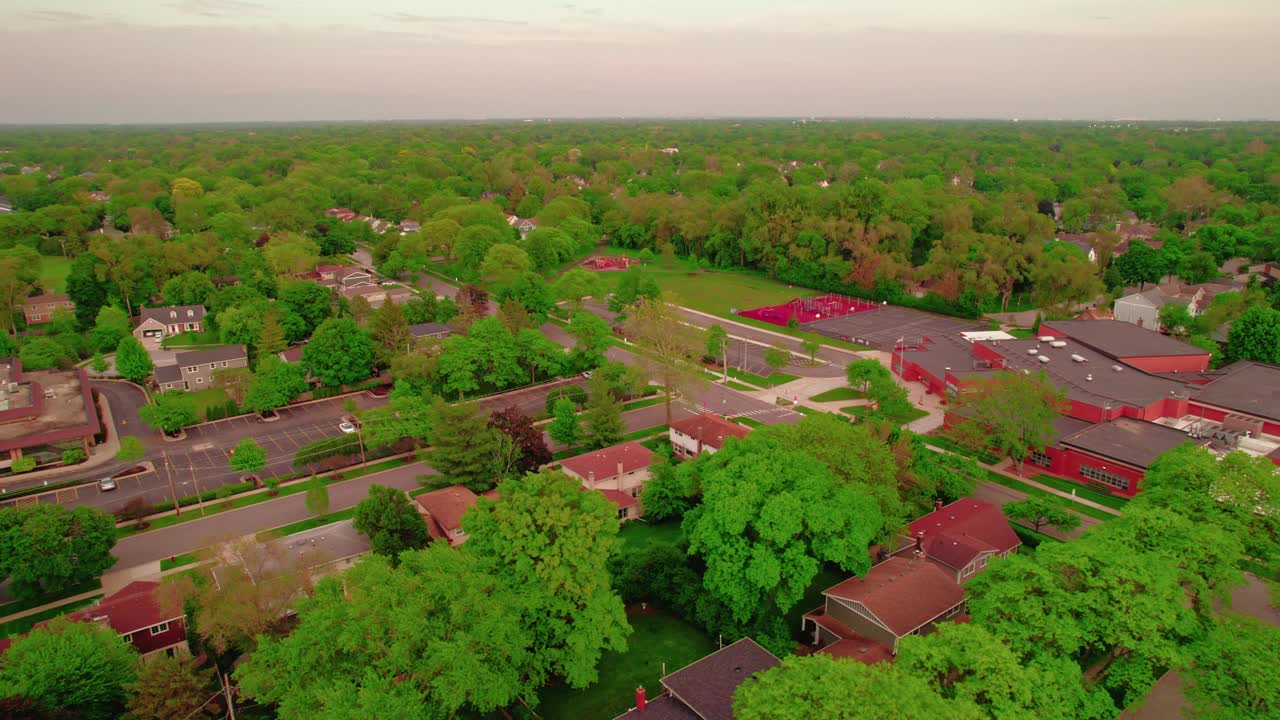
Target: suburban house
column 194, row 369
column 45, row 412
column 339, row 276
column 341, row 213
column 427, row 331
column 962, row 537
column 1143, row 308
column 623, row 467
column 410, row 226
column 377, row 295
column 1132, row 394
column 704, row 433
column 134, row 613
column 162, row 322
column 1084, row 241
column 443, row 509
column 864, row 618
column 524, row 225
column 704, row 689
column 629, row 507
column 40, row 308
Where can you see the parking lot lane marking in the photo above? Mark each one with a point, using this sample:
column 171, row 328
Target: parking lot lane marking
column 305, row 434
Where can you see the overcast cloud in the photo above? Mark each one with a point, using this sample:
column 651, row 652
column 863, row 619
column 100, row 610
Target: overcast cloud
column 227, row 60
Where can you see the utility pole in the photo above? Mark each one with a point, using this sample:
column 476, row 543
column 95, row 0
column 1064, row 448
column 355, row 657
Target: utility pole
column 724, row 355
column 226, row 688
column 199, row 499
column 173, row 492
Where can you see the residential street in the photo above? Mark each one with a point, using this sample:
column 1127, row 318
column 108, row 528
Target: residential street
column 177, row 539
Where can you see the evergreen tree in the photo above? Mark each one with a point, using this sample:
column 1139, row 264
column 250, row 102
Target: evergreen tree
column 390, row 331
column 603, row 417
column 464, row 448
column 271, row 338
column 565, row 429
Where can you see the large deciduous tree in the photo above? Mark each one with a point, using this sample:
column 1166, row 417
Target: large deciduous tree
column 670, row 347
column 552, row 542
column 528, row 444
column 1008, row 412
column 170, row 411
column 46, row 549
column 602, row 418
column 170, row 687
column 82, row 667
column 1255, row 335
column 132, row 360
column 439, row 635
column 275, row 384
column 1042, row 510
column 340, row 353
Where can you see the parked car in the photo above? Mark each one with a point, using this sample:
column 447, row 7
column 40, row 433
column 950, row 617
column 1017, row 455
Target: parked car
column 587, row 374
column 347, row 427
column 107, row 483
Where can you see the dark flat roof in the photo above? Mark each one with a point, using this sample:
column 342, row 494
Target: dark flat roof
column 428, row 329
column 208, row 355
column 1135, row 442
column 1119, row 339
column 1247, row 387
column 707, row 685
column 1094, row 380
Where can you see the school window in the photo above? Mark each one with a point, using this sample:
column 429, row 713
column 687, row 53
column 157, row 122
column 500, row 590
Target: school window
column 157, row 629
column 1040, row 459
column 1097, row 475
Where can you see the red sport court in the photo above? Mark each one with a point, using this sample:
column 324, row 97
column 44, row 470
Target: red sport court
column 808, row 309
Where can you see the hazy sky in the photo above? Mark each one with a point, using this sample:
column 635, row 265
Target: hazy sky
column 220, row 60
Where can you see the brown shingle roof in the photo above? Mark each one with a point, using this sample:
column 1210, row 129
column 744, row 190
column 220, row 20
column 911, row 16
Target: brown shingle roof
column 161, row 314
column 904, row 593
column 1247, row 387
column 601, row 464
column 447, row 506
column 707, row 685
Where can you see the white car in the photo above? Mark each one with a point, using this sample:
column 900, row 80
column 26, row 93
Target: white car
column 346, row 427
column 106, row 484
column 587, row 374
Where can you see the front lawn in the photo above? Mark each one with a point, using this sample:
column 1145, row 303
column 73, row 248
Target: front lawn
column 191, row 339
column 208, row 398
column 658, row 643
column 775, row 378
column 838, row 394
column 53, row 273
column 862, row 411
column 637, row 535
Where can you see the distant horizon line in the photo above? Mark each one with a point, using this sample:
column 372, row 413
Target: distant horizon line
column 632, row 118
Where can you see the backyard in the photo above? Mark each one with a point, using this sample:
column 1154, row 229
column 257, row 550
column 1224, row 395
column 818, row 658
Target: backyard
column 640, row 534
column 207, row 398
column 53, row 273
column 657, row 641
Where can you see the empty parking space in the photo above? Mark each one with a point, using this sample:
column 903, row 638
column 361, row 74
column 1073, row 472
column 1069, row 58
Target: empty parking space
column 881, row 328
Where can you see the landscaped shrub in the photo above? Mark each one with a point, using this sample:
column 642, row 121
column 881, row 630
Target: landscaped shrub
column 23, row 464
column 573, row 392
column 324, row 391
column 74, row 456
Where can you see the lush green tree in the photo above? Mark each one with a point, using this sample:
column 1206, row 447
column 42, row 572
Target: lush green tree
column 390, row 522
column 777, row 357
column 1041, row 511
column 85, row 288
column 132, row 360
column 770, row 518
column 464, row 448
column 503, row 264
column 528, row 446
column 439, row 635
column 47, row 548
column 1142, row 264
column 169, row 411
column 275, row 384
column 551, row 542
column 171, row 687
column 42, row 353
column 531, row 291
column 717, row 342
column 390, row 332
column 866, row 371
column 405, row 416
column 575, row 285
column 271, row 339
column 109, row 328
column 602, row 418
column 823, row 686
column 671, row 348
column 1009, row 413
column 189, row 288
column 248, row 456
column 1255, row 335
column 811, row 347
column 317, row 497
column 74, row 666
column 1234, row 671
column 8, row 346
column 592, row 336
column 340, row 353
column 565, row 428
column 130, row 449
column 1176, row 319
column 539, row 354
column 311, row 302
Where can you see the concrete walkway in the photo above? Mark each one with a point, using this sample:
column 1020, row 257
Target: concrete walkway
column 56, row 604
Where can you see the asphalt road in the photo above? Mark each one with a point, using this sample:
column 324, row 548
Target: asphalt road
column 196, row 534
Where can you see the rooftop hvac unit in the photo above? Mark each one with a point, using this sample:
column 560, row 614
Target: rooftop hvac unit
column 1045, row 338
column 13, row 387
column 1117, row 368
column 1089, row 377
column 1044, row 358
column 1032, row 351
column 1077, row 358
column 1058, row 343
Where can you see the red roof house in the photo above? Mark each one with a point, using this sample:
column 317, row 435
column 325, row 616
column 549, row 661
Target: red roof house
column 134, row 613
column 443, row 510
column 704, row 433
column 623, row 467
column 963, row 536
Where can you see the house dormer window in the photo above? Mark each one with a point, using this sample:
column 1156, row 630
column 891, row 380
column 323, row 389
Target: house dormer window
column 173, row 314
column 191, row 313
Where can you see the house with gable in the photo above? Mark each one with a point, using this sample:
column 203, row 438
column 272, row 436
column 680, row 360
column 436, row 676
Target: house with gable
column 703, row 690
column 443, row 509
column 155, row 324
column 962, row 537
column 703, row 433
column 134, row 613
column 623, row 467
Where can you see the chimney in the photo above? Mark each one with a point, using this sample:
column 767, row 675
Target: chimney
column 937, row 504
column 920, row 541
column 619, row 468
column 591, row 476
column 640, row 701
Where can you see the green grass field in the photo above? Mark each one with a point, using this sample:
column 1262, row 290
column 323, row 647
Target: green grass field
column 861, row 411
column 639, row 534
column 53, row 273
column 24, row 625
column 1114, row 502
column 838, row 394
column 207, row 398
column 748, row 422
column 656, row 641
